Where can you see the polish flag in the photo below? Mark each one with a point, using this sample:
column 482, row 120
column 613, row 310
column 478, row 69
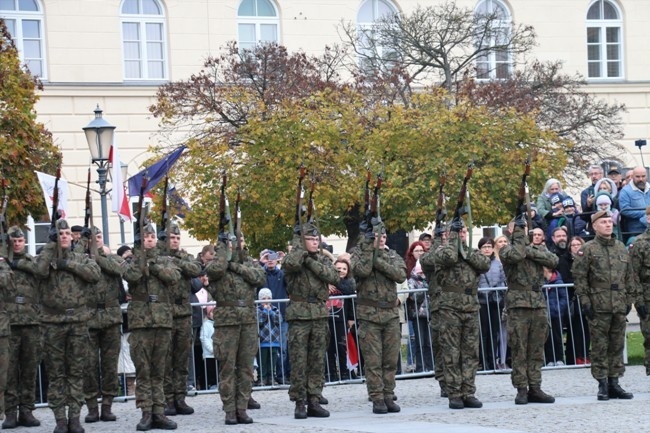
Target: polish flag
column 120, row 203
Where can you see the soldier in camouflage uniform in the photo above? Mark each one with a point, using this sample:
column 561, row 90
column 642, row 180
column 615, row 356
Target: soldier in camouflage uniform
column 176, row 369
column 233, row 285
column 308, row 274
column 150, row 275
column 458, row 277
column 607, row 286
column 640, row 253
column 23, row 308
column 104, row 328
column 527, row 320
column 65, row 323
column 378, row 269
column 428, row 263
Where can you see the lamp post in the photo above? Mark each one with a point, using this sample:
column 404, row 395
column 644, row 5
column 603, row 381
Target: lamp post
column 99, row 135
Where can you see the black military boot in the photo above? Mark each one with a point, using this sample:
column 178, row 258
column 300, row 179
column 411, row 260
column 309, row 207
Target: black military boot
column 11, row 420
column 379, row 406
column 26, row 418
column 615, row 390
column 170, row 408
column 182, row 408
column 93, row 412
column 472, row 402
column 456, row 403
column 322, row 400
column 243, row 418
column 536, row 395
column 301, row 410
column 145, row 422
column 253, row 404
column 107, row 413
column 161, row 422
column 522, row 396
column 314, row 408
column 391, row 406
column 61, row 426
column 603, row 390
column 74, row 425
column 231, row 418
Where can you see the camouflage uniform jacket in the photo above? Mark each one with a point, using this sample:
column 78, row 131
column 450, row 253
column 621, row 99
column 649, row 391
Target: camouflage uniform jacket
column 458, row 277
column 308, row 276
column 65, row 293
column 428, row 263
column 524, row 267
column 234, row 286
column 103, row 299
column 640, row 254
column 6, row 285
column 151, row 297
column 603, row 276
column 377, row 282
column 23, row 296
column 190, row 268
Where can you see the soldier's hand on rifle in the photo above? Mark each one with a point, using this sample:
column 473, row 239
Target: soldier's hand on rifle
column 375, row 221
column 85, row 233
column 53, row 234
column 439, row 230
column 642, row 311
column 14, row 265
column 224, row 237
column 296, row 229
column 521, row 220
column 61, row 264
column 456, row 225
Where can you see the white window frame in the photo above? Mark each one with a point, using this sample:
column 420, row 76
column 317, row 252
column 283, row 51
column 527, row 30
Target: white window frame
column 142, row 20
column 258, row 21
column 367, row 25
column 19, row 16
column 490, row 59
column 602, row 25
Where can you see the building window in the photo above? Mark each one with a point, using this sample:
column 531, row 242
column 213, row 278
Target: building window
column 496, row 63
column 369, row 13
column 144, row 43
column 24, row 20
column 604, row 40
column 257, row 22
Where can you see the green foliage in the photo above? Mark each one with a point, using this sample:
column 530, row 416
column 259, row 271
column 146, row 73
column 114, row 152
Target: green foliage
column 635, row 350
column 25, row 145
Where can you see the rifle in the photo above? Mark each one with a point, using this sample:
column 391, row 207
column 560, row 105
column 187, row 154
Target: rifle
column 300, row 194
column 223, row 204
column 366, row 197
column 139, row 229
column 523, row 197
column 238, row 236
column 375, row 206
column 441, row 210
column 461, row 199
column 164, row 219
column 311, row 210
column 5, row 245
column 55, row 212
column 88, row 220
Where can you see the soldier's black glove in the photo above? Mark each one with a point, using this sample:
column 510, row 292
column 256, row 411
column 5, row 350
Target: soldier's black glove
column 14, row 265
column 642, row 311
column 628, row 308
column 53, row 234
column 375, row 221
column 588, row 312
column 456, row 225
column 297, row 228
column 439, row 230
column 521, row 220
column 363, row 226
column 61, row 264
column 85, row 233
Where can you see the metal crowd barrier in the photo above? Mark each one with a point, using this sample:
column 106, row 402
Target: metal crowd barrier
column 567, row 345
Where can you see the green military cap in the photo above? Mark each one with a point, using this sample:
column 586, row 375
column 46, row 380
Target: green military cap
column 148, row 229
column 95, row 230
column 15, row 232
column 173, row 228
column 600, row 214
column 310, row 229
column 62, row 224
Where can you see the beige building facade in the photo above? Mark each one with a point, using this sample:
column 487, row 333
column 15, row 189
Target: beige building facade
column 116, row 53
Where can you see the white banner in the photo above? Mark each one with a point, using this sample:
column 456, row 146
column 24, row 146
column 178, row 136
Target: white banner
column 47, row 185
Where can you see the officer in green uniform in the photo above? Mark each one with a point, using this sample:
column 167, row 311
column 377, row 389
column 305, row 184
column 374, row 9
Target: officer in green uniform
column 607, row 286
column 65, row 323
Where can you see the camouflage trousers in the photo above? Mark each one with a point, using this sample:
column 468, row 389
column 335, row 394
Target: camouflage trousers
column 607, row 331
column 645, row 330
column 4, row 364
column 438, row 360
column 527, row 333
column 176, row 364
column 459, row 335
column 307, row 347
column 235, row 348
column 380, row 345
column 25, row 344
column 149, row 347
column 103, row 353
column 64, row 351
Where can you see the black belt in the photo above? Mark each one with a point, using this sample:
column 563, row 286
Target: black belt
column 152, row 299
column 59, row 311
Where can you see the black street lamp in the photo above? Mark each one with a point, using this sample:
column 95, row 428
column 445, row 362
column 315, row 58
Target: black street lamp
column 99, row 135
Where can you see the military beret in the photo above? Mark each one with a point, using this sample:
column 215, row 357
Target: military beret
column 601, row 214
column 15, row 232
column 77, row 229
column 63, row 225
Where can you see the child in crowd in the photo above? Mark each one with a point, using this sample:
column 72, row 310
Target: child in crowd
column 269, row 319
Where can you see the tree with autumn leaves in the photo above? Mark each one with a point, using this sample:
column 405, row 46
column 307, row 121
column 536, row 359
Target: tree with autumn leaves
column 25, row 144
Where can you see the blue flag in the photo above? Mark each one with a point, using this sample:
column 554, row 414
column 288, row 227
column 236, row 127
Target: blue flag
column 154, row 173
column 177, row 202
